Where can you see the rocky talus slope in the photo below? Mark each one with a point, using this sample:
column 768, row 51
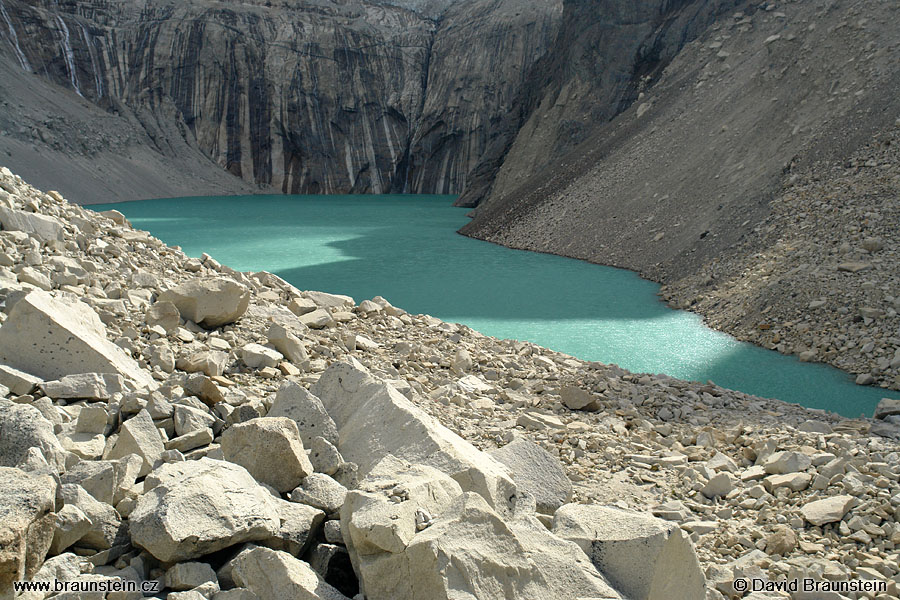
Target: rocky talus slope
column 229, row 436
column 691, row 166
column 820, row 277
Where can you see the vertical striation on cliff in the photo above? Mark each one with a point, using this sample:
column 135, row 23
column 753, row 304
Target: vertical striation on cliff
column 307, row 97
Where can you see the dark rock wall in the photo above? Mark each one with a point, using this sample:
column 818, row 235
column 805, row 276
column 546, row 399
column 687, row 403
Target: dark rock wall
column 306, row 97
column 605, row 54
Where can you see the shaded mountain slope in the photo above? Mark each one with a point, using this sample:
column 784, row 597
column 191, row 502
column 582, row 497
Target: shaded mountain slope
column 690, row 167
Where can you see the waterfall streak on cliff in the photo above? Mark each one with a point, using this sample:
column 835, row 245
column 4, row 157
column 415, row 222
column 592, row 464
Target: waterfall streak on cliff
column 98, row 78
column 68, row 55
column 14, row 39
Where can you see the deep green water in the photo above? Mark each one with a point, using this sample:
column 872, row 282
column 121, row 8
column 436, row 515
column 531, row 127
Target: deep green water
column 406, row 249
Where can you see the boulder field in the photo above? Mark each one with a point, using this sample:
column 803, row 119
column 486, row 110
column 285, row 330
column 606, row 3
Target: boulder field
column 228, row 436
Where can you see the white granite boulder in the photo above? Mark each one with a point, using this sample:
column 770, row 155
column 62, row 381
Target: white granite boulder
column 209, row 303
column 375, row 420
column 51, row 338
column 210, row 362
column 469, row 551
column 89, row 386
column 199, row 507
column 781, row 463
column 827, row 510
column 41, row 227
column 18, row 382
column 645, row 558
column 105, row 480
column 317, row 319
column 23, row 427
column 295, row 402
column 163, row 314
column 536, row 472
column 27, row 522
column 270, row 449
column 188, row 575
column 190, row 418
column 139, row 435
column 257, row 356
column 70, row 526
column 106, row 528
column 320, row 491
column 273, row 574
column 287, row 344
column 326, row 300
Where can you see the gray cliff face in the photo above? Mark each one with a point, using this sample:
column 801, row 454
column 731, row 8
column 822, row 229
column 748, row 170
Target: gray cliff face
column 305, row 97
column 605, row 54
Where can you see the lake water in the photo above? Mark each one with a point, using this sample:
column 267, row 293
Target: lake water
column 406, row 249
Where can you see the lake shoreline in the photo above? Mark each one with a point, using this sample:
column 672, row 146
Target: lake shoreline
column 809, row 279
column 406, row 248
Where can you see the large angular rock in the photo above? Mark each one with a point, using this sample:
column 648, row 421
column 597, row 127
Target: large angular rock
column 781, row 463
column 89, row 446
column 105, row 480
column 272, row 574
column 210, row 362
column 165, row 314
column 645, row 558
column 299, row 524
column 827, row 510
column 287, row 343
column 470, row 552
column 88, row 386
column 70, row 526
column 27, row 521
column 18, row 382
column 327, row 300
column 188, row 575
column 294, row 402
column 380, row 518
column 536, row 472
column 106, row 528
column 317, row 319
column 189, row 418
column 301, row 306
column 199, row 507
column 887, row 407
column 320, row 491
column 375, row 420
column 139, row 435
column 257, row 356
column 576, row 398
column 270, row 449
column 204, row 388
column 209, row 303
column 41, row 227
column 23, row 427
column 92, row 419
column 325, row 458
column 50, row 338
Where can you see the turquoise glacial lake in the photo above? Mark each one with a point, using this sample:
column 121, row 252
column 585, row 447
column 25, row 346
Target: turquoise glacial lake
column 406, row 249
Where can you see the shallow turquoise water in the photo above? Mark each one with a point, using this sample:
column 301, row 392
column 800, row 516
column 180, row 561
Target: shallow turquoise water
column 406, row 249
